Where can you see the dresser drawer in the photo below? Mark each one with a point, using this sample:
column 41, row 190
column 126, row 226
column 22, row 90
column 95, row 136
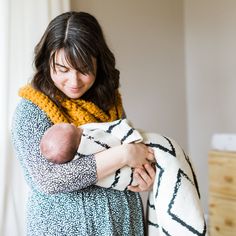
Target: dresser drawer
column 222, row 174
column 222, row 216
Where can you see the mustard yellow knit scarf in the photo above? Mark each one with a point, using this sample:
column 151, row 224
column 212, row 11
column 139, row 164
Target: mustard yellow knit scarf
column 78, row 111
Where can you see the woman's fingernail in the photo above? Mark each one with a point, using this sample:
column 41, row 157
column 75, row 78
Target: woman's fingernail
column 151, row 150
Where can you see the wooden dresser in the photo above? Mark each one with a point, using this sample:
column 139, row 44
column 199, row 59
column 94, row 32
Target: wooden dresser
column 222, row 193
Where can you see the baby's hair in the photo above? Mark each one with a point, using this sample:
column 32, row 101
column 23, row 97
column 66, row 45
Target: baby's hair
column 58, row 144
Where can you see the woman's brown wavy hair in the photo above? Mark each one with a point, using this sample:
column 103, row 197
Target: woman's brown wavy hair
column 81, row 37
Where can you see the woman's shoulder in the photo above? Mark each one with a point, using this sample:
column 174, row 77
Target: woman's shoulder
column 26, row 107
column 27, row 111
column 28, row 123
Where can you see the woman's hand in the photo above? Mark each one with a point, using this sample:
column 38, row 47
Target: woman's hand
column 112, row 159
column 144, row 177
column 138, row 154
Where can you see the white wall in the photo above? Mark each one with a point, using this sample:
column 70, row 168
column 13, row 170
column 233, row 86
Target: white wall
column 210, row 68
column 147, row 40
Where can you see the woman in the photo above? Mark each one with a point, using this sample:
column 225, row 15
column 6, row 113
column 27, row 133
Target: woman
column 75, row 81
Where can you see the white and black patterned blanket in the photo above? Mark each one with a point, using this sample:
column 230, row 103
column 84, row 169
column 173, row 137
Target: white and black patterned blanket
column 174, row 206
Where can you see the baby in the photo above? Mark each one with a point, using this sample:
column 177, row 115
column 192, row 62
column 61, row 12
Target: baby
column 64, row 142
column 60, row 142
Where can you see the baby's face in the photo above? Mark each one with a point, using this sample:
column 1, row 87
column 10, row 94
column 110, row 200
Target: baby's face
column 77, row 130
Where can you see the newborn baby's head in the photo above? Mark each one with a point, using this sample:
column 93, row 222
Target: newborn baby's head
column 60, row 142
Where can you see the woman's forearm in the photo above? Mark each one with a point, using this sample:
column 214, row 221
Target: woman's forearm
column 133, row 155
column 109, row 161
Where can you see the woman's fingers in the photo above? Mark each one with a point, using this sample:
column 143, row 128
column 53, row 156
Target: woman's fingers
column 150, row 154
column 144, row 178
column 150, row 169
column 150, row 150
column 135, row 189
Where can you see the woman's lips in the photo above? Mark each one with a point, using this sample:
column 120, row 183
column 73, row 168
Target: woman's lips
column 75, row 90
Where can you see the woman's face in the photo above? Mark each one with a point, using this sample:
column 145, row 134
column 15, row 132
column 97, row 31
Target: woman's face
column 70, row 81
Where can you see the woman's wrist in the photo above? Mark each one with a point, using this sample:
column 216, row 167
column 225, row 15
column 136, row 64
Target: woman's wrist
column 123, row 154
column 110, row 160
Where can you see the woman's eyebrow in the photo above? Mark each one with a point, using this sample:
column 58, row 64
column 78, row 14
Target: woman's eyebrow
column 57, row 64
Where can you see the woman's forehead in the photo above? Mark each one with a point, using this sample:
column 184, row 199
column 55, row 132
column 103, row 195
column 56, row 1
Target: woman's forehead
column 63, row 57
column 60, row 57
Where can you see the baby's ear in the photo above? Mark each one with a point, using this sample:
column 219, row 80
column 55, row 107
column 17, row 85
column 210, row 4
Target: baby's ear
column 80, row 130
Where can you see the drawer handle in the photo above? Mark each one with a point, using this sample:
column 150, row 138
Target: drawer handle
column 229, row 222
column 228, row 179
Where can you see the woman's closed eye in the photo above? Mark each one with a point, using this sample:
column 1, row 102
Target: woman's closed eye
column 61, row 68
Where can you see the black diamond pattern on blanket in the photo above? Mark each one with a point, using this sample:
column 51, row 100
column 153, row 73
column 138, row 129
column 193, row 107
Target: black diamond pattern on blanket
column 163, row 148
column 180, row 211
column 159, row 173
column 114, row 124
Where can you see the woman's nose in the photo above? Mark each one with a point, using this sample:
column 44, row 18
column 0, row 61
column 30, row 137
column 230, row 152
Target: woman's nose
column 75, row 78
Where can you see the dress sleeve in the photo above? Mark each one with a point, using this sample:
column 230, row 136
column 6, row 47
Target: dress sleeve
column 28, row 126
